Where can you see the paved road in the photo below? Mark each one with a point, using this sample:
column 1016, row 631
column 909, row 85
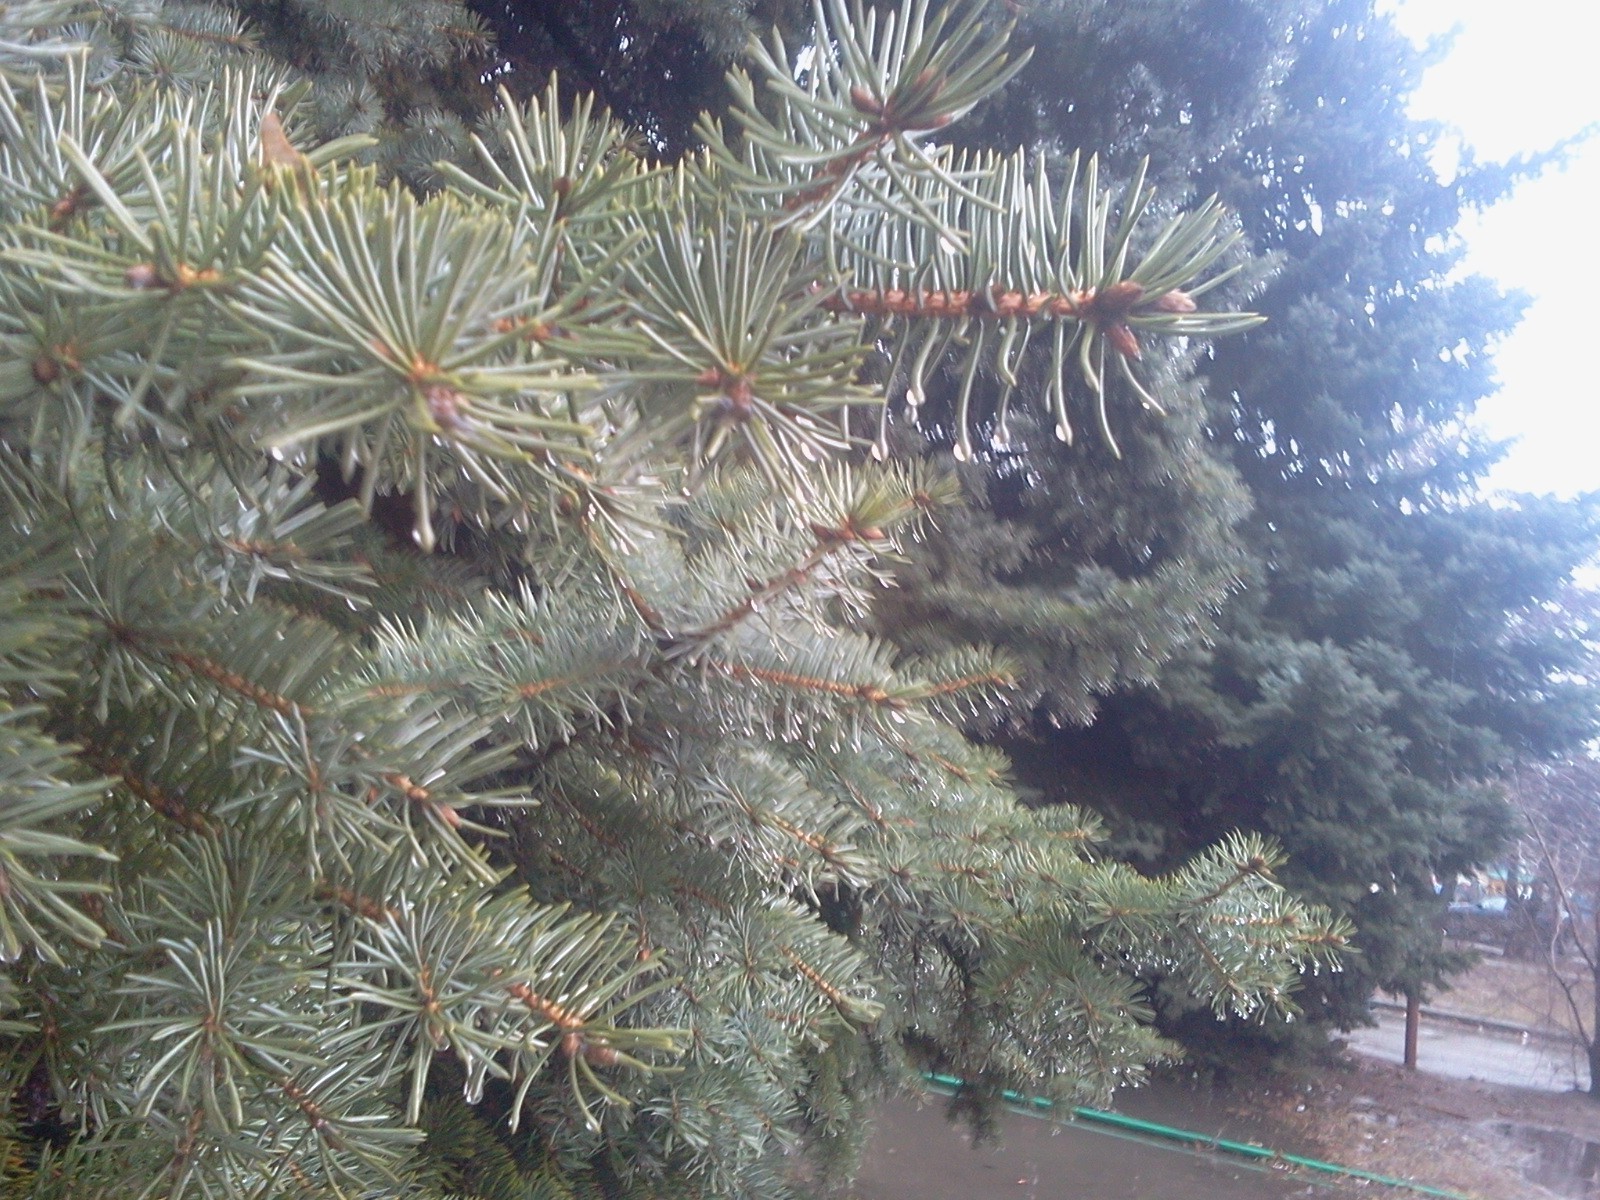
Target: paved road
column 1459, row 1052
column 916, row 1154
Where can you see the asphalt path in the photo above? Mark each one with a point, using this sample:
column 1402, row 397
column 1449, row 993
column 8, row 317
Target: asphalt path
column 1460, row 1051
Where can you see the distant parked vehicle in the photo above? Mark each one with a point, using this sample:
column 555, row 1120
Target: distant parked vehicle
column 1489, row 904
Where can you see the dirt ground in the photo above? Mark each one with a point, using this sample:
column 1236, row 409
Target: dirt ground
column 1442, row 1131
column 1411, row 1125
column 1521, row 992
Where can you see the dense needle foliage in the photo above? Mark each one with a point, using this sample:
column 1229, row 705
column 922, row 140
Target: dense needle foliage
column 1290, row 607
column 442, row 753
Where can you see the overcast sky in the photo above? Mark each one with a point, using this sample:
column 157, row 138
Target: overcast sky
column 1522, row 76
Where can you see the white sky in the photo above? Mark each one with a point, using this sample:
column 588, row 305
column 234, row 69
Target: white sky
column 1521, row 76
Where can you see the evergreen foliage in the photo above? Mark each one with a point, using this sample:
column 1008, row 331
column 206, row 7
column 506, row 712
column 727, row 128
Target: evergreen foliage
column 657, row 64
column 1379, row 557
column 444, row 749
column 1353, row 664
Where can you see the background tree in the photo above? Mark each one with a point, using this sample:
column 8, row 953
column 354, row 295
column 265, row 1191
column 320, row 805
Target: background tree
column 1349, row 424
column 1559, row 809
column 657, row 64
column 1352, row 664
column 443, row 748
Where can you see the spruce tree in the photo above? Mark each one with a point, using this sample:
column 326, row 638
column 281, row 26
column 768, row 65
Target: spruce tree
column 1394, row 667
column 657, row 64
column 1366, row 652
column 444, row 751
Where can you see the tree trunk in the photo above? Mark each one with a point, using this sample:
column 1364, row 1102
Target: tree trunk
column 1413, row 1024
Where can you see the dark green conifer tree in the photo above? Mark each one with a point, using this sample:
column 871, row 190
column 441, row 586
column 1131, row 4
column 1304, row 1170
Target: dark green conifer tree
column 657, row 64
column 443, row 751
column 1375, row 668
column 1387, row 673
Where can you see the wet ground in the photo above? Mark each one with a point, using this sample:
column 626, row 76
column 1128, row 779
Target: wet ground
column 1461, row 1052
column 1562, row 1162
column 916, row 1154
column 1491, row 1141
column 1488, row 1115
column 1464, row 1137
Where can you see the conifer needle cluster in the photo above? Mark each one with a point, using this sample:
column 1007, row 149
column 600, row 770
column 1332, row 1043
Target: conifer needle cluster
column 440, row 753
